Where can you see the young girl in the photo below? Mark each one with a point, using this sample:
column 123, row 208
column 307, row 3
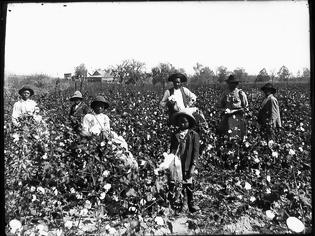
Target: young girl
column 185, row 144
column 98, row 124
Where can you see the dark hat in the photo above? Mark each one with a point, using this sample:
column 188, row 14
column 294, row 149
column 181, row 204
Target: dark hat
column 26, row 88
column 100, row 99
column 76, row 95
column 269, row 87
column 187, row 114
column 182, row 77
column 232, row 79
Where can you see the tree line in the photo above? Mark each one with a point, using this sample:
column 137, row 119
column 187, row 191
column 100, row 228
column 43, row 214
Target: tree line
column 133, row 72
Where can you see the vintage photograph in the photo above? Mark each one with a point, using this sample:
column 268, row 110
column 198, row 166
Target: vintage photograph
column 157, row 118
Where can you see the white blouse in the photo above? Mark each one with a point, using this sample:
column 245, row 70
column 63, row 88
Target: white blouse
column 22, row 107
column 95, row 124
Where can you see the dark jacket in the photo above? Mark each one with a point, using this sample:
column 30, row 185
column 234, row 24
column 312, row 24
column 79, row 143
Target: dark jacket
column 76, row 115
column 269, row 114
column 189, row 149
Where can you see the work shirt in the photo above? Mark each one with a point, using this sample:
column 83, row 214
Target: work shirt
column 23, row 108
column 269, row 113
column 178, row 97
column 235, row 99
column 95, row 124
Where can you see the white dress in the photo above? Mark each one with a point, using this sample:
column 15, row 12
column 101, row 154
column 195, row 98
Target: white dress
column 94, row 124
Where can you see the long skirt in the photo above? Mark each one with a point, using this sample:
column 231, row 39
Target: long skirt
column 233, row 126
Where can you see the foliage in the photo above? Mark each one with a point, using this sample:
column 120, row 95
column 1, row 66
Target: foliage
column 222, row 73
column 129, row 71
column 263, row 76
column 161, row 72
column 240, row 73
column 56, row 182
column 202, row 74
column 80, row 71
column 283, row 73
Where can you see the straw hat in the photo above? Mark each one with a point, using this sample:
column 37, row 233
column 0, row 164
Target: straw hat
column 182, row 77
column 76, row 95
column 26, row 88
column 232, row 79
column 269, row 87
column 100, row 99
column 188, row 115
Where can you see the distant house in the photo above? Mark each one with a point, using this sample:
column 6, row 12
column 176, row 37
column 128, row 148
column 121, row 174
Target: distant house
column 100, row 76
column 67, row 75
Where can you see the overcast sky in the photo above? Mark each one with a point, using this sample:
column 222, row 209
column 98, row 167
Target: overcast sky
column 54, row 39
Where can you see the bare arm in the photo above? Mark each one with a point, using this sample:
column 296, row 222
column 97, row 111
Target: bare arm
column 165, row 98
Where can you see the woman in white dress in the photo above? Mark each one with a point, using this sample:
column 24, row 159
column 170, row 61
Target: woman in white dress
column 98, row 124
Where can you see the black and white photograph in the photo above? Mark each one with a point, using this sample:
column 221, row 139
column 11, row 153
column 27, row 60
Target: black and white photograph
column 157, row 118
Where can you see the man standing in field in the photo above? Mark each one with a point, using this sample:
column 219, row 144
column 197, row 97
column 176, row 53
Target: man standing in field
column 269, row 114
column 25, row 108
column 178, row 97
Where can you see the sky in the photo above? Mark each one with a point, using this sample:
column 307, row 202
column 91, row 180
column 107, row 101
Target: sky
column 53, row 38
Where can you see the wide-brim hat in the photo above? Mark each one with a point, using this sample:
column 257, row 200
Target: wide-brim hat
column 76, row 95
column 269, row 87
column 232, row 79
column 174, row 76
column 191, row 118
column 100, row 99
column 26, row 88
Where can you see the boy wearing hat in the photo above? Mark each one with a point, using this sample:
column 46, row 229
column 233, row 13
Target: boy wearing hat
column 185, row 144
column 177, row 97
column 78, row 110
column 269, row 114
column 25, row 107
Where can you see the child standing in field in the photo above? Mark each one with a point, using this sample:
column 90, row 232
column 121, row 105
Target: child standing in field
column 185, row 144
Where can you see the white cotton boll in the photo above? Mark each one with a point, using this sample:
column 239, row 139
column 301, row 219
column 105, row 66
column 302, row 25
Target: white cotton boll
column 247, row 186
column 275, row 154
column 68, row 224
column 41, row 190
column 88, row 204
column 159, row 220
column 84, row 212
column 102, row 196
column 291, row 152
column 270, row 214
column 106, row 173
column 295, row 224
column 256, row 160
column 33, row 198
column 15, row 137
column 107, row 187
column 112, row 231
column 45, row 156
column 15, row 226
column 252, row 199
column 268, row 178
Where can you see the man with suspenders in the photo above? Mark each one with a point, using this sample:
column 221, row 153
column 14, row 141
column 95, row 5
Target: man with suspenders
column 178, row 97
